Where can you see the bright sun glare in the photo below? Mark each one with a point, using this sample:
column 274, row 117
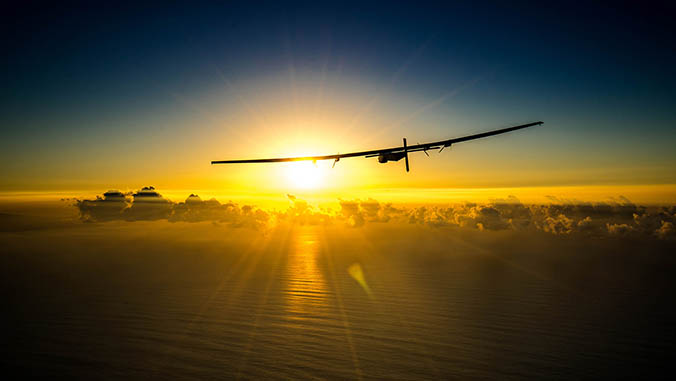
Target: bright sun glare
column 304, row 175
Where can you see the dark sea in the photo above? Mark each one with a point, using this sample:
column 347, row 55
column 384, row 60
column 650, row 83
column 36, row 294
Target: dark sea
column 159, row 300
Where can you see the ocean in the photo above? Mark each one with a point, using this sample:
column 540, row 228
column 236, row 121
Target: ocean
column 140, row 300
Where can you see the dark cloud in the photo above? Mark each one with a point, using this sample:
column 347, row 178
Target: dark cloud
column 148, row 205
column 108, row 207
column 585, row 225
column 619, row 229
column 666, row 230
column 194, row 209
column 617, row 217
column 558, row 225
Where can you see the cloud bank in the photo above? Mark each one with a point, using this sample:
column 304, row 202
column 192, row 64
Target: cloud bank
column 618, row 217
column 148, row 205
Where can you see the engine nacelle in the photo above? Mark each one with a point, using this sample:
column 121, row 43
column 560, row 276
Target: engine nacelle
column 396, row 156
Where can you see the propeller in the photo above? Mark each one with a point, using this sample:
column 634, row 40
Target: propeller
column 425, row 150
column 406, row 154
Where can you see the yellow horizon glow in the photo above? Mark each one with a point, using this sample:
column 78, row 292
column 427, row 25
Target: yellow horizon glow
column 660, row 194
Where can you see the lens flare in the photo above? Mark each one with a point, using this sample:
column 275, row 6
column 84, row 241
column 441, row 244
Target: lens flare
column 357, row 274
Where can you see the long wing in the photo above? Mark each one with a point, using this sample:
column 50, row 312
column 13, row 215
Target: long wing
column 414, row 148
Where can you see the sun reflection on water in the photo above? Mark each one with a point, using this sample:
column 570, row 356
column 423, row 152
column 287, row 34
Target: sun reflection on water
column 306, row 288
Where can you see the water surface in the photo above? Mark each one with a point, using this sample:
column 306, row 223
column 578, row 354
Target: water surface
column 181, row 301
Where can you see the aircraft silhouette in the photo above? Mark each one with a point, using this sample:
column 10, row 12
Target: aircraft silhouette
column 386, row 154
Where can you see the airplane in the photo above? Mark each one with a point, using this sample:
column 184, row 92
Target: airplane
column 386, row 154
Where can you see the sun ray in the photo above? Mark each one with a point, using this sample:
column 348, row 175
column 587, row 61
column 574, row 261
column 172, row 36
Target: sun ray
column 257, row 117
column 281, row 250
column 368, row 246
column 393, row 81
column 341, row 305
column 422, row 109
column 247, row 254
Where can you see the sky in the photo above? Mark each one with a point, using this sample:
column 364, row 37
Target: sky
column 125, row 96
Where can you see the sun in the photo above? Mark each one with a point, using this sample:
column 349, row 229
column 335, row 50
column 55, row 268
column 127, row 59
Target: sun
column 304, row 175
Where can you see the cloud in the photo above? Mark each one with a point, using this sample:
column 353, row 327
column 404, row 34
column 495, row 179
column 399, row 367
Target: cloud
column 148, row 205
column 357, row 212
column 617, row 217
column 619, row 229
column 666, row 231
column 585, row 225
column 559, row 224
column 194, row 209
column 302, row 213
column 482, row 217
column 108, row 207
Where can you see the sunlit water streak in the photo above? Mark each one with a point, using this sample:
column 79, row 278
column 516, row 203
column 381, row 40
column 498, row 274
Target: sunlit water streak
column 306, row 290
